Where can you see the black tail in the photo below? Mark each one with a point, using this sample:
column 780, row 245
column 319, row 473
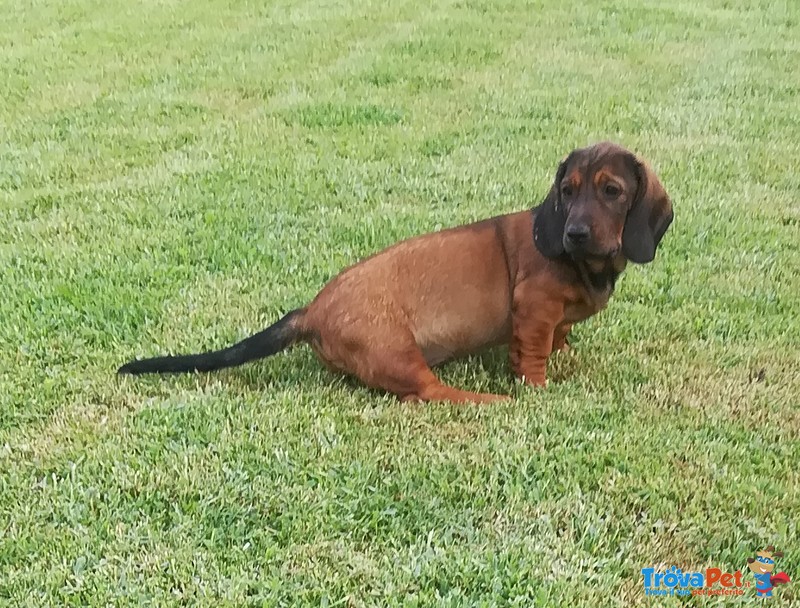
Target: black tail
column 272, row 340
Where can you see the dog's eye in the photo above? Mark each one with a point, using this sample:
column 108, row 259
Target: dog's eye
column 612, row 190
column 566, row 190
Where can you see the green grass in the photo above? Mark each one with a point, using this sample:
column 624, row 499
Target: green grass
column 175, row 175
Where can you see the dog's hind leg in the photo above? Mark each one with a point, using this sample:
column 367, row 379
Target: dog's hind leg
column 436, row 391
column 404, row 372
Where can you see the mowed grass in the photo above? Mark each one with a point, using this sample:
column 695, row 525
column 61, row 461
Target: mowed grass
column 176, row 175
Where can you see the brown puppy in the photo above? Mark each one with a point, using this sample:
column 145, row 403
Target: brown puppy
column 521, row 279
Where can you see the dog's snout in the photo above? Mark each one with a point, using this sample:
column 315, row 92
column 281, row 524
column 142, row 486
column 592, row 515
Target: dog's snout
column 578, row 234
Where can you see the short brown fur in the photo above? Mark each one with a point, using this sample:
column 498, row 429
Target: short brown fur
column 517, row 279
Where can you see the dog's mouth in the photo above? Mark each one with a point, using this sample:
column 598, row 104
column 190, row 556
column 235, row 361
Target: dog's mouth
column 592, row 252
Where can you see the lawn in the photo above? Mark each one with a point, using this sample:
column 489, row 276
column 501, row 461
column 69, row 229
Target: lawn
column 176, row 175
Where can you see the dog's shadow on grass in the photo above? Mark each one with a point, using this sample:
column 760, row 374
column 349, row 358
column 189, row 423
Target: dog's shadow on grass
column 287, row 371
column 485, row 372
column 488, row 371
column 563, row 366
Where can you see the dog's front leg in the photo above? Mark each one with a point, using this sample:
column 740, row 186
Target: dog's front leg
column 534, row 324
column 560, row 338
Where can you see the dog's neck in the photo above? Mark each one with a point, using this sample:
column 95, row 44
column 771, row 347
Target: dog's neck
column 599, row 276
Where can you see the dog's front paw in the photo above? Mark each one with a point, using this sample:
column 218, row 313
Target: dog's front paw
column 564, row 348
column 534, row 381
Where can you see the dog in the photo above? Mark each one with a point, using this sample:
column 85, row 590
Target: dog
column 521, row 279
column 762, row 566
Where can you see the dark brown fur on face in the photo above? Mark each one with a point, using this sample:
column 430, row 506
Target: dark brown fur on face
column 521, row 279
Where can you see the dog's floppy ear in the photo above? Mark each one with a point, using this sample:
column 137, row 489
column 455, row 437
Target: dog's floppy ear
column 550, row 218
column 649, row 217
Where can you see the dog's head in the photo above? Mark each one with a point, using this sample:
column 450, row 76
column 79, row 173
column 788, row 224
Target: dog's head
column 604, row 200
column 764, row 561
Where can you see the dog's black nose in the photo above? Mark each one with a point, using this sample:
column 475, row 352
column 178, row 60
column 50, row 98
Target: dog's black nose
column 578, row 234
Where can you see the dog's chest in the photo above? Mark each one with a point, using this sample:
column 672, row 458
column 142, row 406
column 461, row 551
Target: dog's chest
column 589, row 301
column 597, row 286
